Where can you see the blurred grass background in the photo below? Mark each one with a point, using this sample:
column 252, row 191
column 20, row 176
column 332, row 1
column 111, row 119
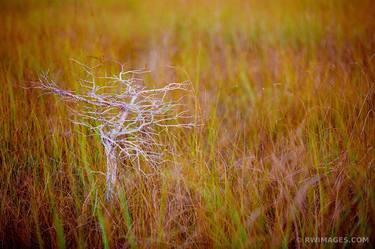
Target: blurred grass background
column 284, row 90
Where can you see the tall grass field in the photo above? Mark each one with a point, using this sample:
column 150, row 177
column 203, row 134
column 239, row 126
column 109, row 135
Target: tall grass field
column 282, row 154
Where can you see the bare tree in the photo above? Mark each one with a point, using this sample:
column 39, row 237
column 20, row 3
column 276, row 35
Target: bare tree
column 126, row 115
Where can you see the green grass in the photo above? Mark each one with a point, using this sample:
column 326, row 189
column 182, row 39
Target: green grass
column 284, row 94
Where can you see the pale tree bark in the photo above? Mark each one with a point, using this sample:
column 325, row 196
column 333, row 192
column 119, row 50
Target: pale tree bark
column 120, row 108
column 111, row 172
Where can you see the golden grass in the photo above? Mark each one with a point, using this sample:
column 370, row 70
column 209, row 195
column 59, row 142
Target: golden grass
column 285, row 92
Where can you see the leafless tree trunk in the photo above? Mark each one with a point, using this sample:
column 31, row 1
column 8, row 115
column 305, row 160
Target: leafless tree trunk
column 124, row 113
column 111, row 171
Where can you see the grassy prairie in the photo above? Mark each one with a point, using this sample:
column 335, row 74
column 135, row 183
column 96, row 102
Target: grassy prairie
column 285, row 93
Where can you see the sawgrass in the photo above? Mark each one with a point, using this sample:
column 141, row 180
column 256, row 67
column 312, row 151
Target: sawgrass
column 284, row 95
